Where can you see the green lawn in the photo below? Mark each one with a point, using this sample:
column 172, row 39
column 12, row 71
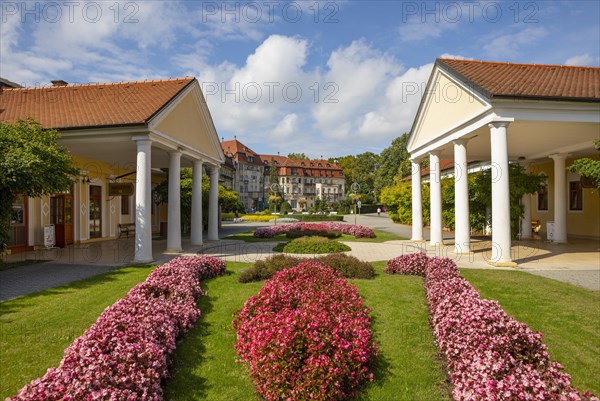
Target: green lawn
column 381, row 236
column 567, row 316
column 407, row 365
column 35, row 329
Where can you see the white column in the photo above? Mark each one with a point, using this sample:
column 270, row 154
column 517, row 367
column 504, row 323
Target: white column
column 196, row 233
column 143, row 225
column 526, row 221
column 462, row 232
column 435, row 191
column 174, row 203
column 526, row 202
column 560, row 197
column 417, row 201
column 213, row 205
column 501, row 239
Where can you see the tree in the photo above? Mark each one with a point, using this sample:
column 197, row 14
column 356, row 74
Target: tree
column 360, row 169
column 588, row 168
column 31, row 164
column 297, row 156
column 394, row 162
column 273, row 173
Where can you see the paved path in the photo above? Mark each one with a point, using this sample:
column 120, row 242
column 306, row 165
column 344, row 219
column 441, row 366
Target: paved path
column 79, row 262
column 577, row 263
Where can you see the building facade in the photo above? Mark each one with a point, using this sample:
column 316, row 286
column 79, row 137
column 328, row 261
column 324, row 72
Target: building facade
column 248, row 179
column 302, row 182
column 120, row 136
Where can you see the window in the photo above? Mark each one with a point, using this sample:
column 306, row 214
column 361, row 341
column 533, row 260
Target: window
column 575, row 196
column 542, row 197
column 124, row 204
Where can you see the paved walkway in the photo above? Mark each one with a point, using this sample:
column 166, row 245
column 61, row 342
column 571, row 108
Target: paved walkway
column 577, row 263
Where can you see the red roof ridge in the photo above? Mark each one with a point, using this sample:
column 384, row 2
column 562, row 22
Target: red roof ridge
column 515, row 64
column 88, row 84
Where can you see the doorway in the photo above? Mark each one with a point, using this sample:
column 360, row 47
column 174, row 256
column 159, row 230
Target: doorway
column 17, row 235
column 95, row 211
column 61, row 215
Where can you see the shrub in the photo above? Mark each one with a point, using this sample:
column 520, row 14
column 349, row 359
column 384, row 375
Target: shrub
column 489, row 355
column 306, row 336
column 412, row 264
column 265, row 269
column 314, row 245
column 349, row 266
column 307, row 232
column 125, row 354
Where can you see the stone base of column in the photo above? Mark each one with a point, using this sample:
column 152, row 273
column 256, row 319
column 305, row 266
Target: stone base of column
column 418, row 240
column 502, row 264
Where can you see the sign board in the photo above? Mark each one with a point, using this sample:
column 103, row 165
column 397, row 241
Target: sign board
column 120, row 189
column 49, row 236
column 359, row 204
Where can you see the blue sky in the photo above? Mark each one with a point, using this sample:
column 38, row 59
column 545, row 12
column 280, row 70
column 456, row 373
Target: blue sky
column 322, row 77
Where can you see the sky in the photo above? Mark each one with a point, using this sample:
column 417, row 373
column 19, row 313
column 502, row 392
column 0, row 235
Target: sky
column 327, row 78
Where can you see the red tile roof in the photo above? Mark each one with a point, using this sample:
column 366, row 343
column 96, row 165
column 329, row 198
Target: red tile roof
column 305, row 167
column 90, row 105
column 240, row 152
column 534, row 81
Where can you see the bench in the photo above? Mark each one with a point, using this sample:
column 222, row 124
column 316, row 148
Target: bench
column 126, row 228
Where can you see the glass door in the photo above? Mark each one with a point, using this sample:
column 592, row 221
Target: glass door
column 17, row 235
column 95, row 211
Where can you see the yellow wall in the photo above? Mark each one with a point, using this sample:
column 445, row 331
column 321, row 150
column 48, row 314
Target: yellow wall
column 187, row 124
column 445, row 107
column 584, row 223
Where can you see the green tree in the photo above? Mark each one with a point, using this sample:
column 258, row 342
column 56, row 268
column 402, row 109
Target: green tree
column 360, row 169
column 588, row 168
column 394, row 161
column 31, row 164
column 297, row 156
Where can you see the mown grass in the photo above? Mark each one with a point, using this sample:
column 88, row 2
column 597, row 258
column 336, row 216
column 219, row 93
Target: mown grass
column 35, row 329
column 381, row 236
column 566, row 315
column 407, row 368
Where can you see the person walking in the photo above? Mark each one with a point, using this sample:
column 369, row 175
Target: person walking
column 378, row 211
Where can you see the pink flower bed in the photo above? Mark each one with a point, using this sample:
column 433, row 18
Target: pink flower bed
column 490, row 355
column 350, row 229
column 409, row 264
column 124, row 355
column 306, row 336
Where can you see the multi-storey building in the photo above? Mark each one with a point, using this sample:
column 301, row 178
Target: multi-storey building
column 248, row 180
column 304, row 181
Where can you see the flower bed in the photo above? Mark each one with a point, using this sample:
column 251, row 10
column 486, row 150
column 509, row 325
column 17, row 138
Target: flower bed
column 490, row 355
column 306, row 336
column 349, row 266
column 350, row 229
column 125, row 354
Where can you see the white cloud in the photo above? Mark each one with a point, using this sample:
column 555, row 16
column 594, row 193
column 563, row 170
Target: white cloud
column 455, row 56
column 415, row 31
column 513, row 44
column 261, row 96
column 361, row 74
column 287, row 127
column 582, row 59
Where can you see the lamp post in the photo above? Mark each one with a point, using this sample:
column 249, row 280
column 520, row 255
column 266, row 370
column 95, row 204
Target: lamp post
column 275, row 191
column 354, row 187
